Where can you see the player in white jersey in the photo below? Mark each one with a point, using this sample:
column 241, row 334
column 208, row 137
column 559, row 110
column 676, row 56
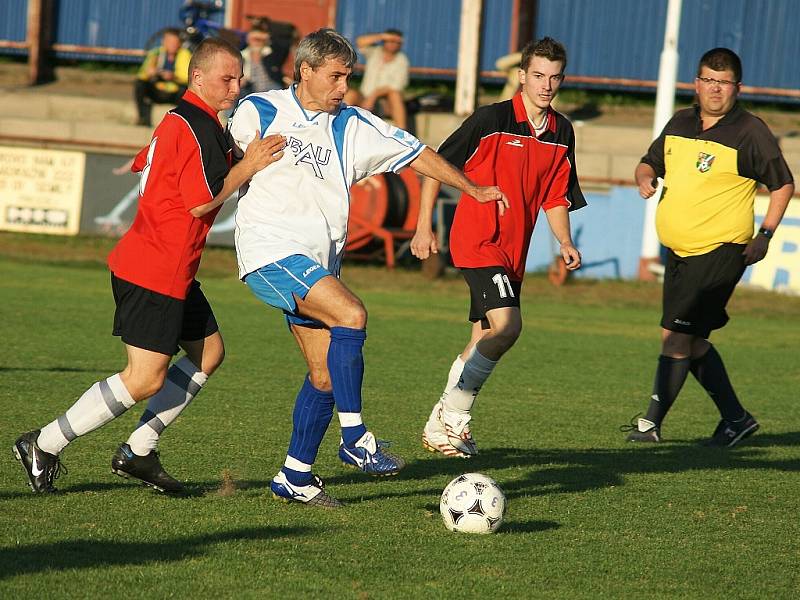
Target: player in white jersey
column 291, row 229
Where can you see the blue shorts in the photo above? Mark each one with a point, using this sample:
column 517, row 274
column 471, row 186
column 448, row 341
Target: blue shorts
column 278, row 283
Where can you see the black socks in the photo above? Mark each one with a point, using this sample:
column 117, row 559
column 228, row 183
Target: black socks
column 710, row 373
column 670, row 376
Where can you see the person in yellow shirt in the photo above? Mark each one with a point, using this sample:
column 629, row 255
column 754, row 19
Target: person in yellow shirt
column 710, row 157
column 163, row 76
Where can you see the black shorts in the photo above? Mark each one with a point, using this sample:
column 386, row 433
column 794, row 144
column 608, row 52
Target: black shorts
column 153, row 321
column 697, row 288
column 490, row 288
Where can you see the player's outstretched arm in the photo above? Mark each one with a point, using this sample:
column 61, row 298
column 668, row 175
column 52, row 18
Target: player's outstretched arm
column 558, row 218
column 756, row 248
column 260, row 153
column 430, row 164
column 424, row 242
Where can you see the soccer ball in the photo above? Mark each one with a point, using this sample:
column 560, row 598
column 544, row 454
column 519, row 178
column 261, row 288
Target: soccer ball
column 472, row 503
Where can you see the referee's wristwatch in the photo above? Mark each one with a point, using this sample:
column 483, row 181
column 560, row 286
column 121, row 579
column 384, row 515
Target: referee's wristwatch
column 767, row 233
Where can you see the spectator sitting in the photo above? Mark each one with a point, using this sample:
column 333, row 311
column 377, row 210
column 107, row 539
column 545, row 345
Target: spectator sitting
column 163, row 76
column 260, row 74
column 509, row 64
column 385, row 74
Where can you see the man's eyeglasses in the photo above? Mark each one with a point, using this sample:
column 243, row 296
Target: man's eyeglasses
column 719, row 82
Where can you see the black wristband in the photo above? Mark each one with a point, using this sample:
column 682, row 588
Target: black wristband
column 767, row 233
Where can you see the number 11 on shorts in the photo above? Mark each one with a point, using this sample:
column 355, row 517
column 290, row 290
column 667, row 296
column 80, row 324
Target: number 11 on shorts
column 503, row 285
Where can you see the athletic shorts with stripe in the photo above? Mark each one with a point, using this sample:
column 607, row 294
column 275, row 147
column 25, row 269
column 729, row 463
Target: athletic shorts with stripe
column 146, row 319
column 490, row 288
column 279, row 283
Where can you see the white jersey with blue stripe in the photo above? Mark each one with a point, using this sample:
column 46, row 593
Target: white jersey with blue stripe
column 300, row 204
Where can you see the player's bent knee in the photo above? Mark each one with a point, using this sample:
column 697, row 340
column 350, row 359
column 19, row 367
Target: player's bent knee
column 507, row 337
column 676, row 345
column 212, row 363
column 321, row 381
column 353, row 316
column 700, row 346
column 144, row 387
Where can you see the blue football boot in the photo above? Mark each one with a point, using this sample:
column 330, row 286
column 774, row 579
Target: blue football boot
column 369, row 455
column 313, row 494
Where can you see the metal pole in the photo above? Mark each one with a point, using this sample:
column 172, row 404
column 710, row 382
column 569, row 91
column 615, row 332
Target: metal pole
column 468, row 54
column 665, row 106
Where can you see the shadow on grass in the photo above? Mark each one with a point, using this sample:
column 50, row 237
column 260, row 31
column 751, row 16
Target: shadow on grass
column 511, row 527
column 194, row 489
column 86, row 554
column 568, row 470
column 56, row 369
column 553, row 470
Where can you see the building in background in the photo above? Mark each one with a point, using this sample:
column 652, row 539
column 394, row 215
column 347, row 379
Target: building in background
column 614, row 44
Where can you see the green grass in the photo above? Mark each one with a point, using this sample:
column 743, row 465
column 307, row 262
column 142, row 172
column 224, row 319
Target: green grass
column 589, row 516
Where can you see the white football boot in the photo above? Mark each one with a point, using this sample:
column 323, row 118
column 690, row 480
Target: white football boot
column 447, row 431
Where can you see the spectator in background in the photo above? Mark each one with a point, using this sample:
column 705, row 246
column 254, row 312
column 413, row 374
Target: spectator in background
column 163, row 76
column 509, row 64
column 385, row 75
column 260, row 73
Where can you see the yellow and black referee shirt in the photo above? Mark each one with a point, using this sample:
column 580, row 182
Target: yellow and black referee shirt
column 710, row 178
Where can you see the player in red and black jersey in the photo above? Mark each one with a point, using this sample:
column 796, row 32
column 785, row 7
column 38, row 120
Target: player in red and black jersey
column 525, row 148
column 186, row 175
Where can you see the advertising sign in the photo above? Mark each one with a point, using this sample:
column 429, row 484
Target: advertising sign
column 41, row 191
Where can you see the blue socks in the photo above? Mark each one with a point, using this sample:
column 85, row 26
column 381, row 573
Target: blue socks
column 313, row 410
column 346, row 368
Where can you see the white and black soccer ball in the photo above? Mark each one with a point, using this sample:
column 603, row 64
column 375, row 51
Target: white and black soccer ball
column 473, row 503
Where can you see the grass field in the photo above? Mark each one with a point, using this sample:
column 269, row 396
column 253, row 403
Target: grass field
column 589, row 516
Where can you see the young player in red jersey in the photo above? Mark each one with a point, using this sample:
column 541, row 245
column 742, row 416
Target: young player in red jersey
column 525, row 148
column 186, row 175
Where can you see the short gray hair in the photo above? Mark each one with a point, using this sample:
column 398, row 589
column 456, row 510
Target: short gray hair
column 321, row 45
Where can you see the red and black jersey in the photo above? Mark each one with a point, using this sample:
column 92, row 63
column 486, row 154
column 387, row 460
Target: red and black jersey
column 497, row 146
column 184, row 166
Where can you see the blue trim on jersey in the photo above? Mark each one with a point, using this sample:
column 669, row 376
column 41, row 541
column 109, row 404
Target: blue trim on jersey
column 399, row 164
column 305, row 114
column 239, row 102
column 338, row 125
column 266, row 111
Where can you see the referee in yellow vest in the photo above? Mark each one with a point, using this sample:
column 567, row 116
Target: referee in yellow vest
column 711, row 157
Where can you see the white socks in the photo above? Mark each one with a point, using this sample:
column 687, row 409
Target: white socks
column 452, row 377
column 184, row 381
column 108, row 399
column 476, row 371
column 98, row 405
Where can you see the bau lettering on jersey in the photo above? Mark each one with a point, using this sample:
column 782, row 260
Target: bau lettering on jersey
column 310, row 155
